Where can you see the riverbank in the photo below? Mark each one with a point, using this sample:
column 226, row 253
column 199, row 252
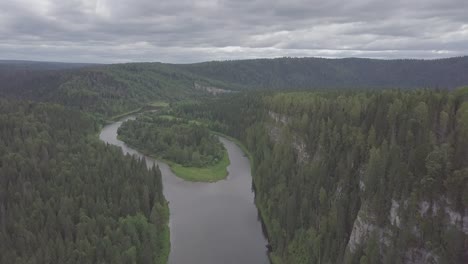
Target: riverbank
column 147, row 107
column 211, row 173
column 197, row 211
column 163, row 243
column 190, row 150
column 266, row 225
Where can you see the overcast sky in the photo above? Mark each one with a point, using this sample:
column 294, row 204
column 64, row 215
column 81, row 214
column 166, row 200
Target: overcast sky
column 107, row 31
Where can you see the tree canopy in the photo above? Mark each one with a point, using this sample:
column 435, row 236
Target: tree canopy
column 65, row 197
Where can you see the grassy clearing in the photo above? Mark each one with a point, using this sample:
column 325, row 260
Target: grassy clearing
column 159, row 104
column 195, row 122
column 120, row 116
column 210, row 173
column 148, row 106
column 169, row 117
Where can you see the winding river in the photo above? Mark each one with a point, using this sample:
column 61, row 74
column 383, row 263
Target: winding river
column 209, row 222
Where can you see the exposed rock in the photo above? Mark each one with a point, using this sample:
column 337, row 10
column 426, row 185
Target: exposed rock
column 211, row 89
column 362, row 229
column 362, row 185
column 394, row 217
column 279, row 117
column 454, row 217
column 420, row 256
column 297, row 143
column 274, row 133
column 300, row 148
column 364, row 226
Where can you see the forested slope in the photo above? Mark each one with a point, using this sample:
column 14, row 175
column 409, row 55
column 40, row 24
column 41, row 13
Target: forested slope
column 356, row 177
column 313, row 73
column 65, row 197
column 112, row 89
column 13, row 66
column 341, row 176
column 105, row 90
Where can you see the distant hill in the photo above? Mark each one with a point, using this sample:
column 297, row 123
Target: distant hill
column 21, row 65
column 116, row 88
column 312, row 73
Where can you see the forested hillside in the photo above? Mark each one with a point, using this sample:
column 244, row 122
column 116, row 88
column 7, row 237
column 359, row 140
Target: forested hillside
column 109, row 90
column 65, row 197
column 105, row 90
column 340, row 175
column 313, row 73
column 13, row 66
column 355, row 177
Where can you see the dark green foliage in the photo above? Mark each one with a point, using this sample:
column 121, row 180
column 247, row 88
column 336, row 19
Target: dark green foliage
column 313, row 73
column 112, row 89
column 106, row 90
column 322, row 157
column 65, row 197
column 188, row 144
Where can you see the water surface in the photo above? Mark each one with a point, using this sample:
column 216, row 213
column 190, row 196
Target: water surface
column 210, row 223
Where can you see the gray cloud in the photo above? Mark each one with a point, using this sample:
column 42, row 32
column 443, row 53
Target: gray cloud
column 189, row 31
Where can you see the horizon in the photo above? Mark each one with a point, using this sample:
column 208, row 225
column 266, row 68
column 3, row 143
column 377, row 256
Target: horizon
column 227, row 60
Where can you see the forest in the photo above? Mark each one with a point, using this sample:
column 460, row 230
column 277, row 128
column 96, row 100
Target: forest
column 366, row 175
column 321, row 73
column 354, row 177
column 103, row 90
column 109, row 90
column 188, row 144
column 65, row 197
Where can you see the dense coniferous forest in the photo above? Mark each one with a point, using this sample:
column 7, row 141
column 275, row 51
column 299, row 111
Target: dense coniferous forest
column 109, row 90
column 355, row 177
column 188, row 144
column 65, row 197
column 341, row 176
column 104, row 90
column 313, row 73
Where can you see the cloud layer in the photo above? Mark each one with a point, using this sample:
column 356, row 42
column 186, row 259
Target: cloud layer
column 190, row 31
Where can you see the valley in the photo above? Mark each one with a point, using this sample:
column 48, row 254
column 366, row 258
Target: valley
column 225, row 210
column 233, row 132
column 156, row 163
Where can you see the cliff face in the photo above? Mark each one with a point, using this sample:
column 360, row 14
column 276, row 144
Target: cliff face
column 275, row 133
column 365, row 227
column 406, row 218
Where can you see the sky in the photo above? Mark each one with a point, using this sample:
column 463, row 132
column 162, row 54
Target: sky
column 182, row 31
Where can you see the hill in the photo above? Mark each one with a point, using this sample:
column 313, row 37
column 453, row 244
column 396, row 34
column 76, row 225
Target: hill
column 21, row 65
column 108, row 90
column 356, row 176
column 308, row 73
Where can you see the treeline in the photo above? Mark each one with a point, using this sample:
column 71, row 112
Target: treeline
column 104, row 90
column 355, row 177
column 188, row 144
column 313, row 73
column 110, row 90
column 65, row 197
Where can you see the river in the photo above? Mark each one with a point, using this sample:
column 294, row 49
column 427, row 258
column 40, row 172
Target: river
column 210, row 223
